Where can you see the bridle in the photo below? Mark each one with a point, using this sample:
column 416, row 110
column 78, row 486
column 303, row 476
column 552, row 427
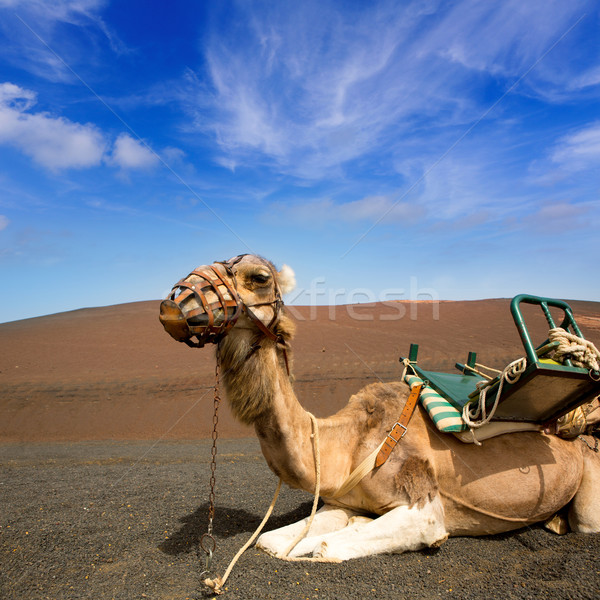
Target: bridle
column 219, row 300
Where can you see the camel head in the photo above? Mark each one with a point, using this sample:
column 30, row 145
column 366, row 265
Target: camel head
column 244, row 292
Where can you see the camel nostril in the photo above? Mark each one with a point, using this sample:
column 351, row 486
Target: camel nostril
column 173, row 321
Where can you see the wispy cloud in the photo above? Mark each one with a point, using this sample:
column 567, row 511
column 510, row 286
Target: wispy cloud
column 579, row 150
column 572, row 160
column 503, row 38
column 326, row 212
column 558, row 217
column 311, row 88
column 53, row 21
column 315, row 101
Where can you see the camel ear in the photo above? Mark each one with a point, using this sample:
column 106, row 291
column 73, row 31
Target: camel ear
column 287, row 279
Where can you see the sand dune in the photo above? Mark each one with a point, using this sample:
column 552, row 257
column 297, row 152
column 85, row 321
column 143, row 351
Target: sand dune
column 113, row 373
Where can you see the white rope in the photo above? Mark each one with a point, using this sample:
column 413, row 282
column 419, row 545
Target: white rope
column 482, row 511
column 217, row 583
column 582, row 353
column 479, row 372
column 478, row 416
column 488, row 368
column 317, row 451
column 407, row 365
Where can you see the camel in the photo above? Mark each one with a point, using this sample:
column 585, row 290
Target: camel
column 432, row 486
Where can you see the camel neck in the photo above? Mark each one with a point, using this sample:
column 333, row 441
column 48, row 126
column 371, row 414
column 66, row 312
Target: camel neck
column 260, row 393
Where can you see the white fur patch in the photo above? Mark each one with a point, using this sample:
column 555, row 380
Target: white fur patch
column 399, row 530
column 287, row 279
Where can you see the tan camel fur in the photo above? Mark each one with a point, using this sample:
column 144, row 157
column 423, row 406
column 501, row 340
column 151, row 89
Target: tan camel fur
column 432, row 486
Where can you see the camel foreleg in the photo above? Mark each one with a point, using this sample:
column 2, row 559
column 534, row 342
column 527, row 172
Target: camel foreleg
column 399, row 530
column 328, row 519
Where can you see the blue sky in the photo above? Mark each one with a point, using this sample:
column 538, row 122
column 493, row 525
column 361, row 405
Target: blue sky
column 381, row 149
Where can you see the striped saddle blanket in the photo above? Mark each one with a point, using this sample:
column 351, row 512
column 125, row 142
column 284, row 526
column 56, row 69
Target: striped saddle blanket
column 448, row 419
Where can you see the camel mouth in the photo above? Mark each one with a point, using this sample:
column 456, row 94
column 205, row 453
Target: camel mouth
column 173, row 320
column 204, row 305
column 183, row 328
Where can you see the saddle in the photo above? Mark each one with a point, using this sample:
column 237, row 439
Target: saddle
column 554, row 388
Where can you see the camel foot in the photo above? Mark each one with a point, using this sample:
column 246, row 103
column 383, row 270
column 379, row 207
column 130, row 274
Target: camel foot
column 557, row 524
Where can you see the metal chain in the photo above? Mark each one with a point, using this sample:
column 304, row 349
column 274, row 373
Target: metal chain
column 208, row 536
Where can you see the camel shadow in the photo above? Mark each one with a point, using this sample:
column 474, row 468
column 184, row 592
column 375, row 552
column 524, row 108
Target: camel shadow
column 228, row 521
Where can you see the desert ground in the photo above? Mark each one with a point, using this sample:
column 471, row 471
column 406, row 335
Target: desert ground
column 105, row 449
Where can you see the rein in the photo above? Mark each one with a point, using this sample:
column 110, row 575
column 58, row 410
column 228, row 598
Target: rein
column 218, row 583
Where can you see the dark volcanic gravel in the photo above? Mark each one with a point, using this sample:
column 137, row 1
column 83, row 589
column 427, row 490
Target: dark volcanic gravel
column 123, row 520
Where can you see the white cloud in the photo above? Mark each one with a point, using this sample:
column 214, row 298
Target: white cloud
column 12, row 94
column 3, row 222
column 174, row 155
column 573, row 160
column 587, row 79
column 303, row 109
column 57, row 10
column 499, row 36
column 227, row 163
column 58, row 143
column 579, row 150
column 129, row 153
column 54, row 142
column 374, row 208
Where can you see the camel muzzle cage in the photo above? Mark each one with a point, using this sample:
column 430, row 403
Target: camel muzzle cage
column 206, row 304
column 203, row 304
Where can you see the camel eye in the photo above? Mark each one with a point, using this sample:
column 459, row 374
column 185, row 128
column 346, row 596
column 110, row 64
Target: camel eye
column 260, row 278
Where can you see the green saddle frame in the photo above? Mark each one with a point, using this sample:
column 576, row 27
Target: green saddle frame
column 546, row 389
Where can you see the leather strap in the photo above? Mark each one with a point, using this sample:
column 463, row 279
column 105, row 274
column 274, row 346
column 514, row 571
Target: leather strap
column 400, row 428
column 264, row 328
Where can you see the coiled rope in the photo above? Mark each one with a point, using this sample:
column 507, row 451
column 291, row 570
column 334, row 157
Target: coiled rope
column 478, row 416
column 582, row 353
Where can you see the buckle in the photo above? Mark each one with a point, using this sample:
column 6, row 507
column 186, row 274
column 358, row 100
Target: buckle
column 403, row 433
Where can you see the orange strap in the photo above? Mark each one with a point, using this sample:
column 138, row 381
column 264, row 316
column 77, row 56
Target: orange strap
column 399, row 429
